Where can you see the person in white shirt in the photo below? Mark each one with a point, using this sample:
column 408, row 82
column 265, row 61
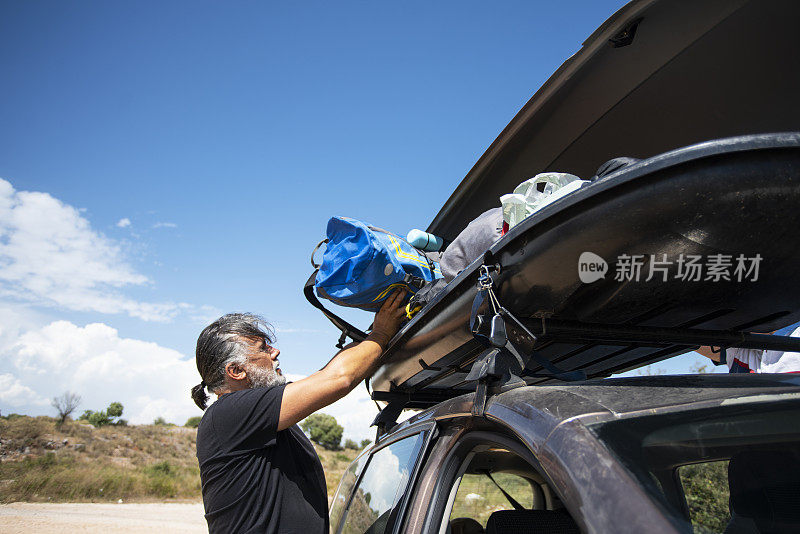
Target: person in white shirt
column 757, row 360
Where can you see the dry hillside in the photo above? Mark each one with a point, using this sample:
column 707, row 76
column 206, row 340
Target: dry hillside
column 80, row 463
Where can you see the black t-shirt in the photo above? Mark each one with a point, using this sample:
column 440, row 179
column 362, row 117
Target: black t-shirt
column 256, row 479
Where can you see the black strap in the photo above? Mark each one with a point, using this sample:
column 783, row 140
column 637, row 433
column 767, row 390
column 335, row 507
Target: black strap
column 347, row 329
column 552, row 370
column 509, row 498
column 550, row 367
column 314, row 252
column 723, row 355
column 477, row 302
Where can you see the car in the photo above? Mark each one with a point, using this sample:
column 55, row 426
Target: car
column 639, row 454
column 521, row 429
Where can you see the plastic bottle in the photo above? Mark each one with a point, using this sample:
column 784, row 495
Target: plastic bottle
column 424, row 241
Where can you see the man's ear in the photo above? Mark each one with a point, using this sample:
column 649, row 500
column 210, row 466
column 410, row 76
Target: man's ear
column 235, row 372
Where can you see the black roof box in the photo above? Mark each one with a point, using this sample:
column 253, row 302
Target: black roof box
column 733, row 197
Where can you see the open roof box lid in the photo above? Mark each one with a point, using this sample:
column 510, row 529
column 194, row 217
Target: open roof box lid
column 657, row 76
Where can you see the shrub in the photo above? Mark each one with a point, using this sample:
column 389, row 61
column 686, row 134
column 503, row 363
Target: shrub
column 114, row 409
column 161, row 468
column 98, row 419
column 104, row 417
column 323, row 430
column 164, row 479
column 350, row 444
column 160, row 421
column 707, row 491
column 365, row 443
column 193, row 422
column 65, row 405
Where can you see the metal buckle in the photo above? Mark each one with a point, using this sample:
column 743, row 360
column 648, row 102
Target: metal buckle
column 484, row 279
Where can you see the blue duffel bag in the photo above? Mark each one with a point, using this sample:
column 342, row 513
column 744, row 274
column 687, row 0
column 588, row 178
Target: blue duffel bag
column 361, row 267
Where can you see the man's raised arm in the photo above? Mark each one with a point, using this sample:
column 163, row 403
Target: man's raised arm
column 345, row 370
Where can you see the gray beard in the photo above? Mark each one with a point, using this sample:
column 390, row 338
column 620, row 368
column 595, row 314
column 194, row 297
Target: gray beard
column 263, row 378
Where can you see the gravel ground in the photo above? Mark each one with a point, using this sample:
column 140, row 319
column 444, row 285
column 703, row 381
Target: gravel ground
column 158, row 518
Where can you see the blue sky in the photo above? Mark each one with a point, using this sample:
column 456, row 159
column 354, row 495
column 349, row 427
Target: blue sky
column 187, row 156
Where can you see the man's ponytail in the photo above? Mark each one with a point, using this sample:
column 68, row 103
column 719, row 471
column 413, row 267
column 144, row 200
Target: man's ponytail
column 199, row 395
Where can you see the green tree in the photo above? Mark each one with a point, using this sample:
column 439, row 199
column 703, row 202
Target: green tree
column 350, row 444
column 104, row 417
column 707, row 492
column 114, row 409
column 323, row 430
column 160, row 421
column 365, row 443
column 193, row 422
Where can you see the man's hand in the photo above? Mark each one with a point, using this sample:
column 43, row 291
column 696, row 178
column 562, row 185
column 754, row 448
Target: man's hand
column 345, row 370
column 388, row 318
column 709, row 353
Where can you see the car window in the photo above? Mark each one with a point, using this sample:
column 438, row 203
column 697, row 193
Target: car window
column 705, row 486
column 343, row 491
column 724, row 469
column 478, row 497
column 381, row 487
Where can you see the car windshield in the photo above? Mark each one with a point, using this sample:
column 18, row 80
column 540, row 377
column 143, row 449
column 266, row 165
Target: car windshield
column 732, row 468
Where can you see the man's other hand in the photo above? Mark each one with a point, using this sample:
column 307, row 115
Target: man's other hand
column 388, row 318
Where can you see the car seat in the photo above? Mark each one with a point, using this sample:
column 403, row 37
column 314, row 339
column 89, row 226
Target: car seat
column 464, row 525
column 550, row 521
column 765, row 490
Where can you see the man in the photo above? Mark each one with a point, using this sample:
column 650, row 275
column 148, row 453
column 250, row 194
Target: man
column 259, row 472
column 757, row 360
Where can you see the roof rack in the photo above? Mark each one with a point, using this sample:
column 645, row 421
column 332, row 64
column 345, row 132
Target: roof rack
column 501, row 361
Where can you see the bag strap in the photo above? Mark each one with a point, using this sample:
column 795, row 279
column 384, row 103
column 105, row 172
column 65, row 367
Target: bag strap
column 346, row 328
column 314, row 252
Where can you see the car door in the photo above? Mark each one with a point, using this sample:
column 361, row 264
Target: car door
column 373, row 493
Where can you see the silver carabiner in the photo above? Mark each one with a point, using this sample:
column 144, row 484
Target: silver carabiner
column 484, row 278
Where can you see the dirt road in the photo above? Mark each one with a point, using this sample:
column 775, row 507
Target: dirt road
column 106, row 518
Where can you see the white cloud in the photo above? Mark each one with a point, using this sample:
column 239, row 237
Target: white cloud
column 13, row 393
column 14, row 321
column 124, row 223
column 355, row 412
column 95, row 362
column 165, row 225
column 50, row 255
column 382, row 478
